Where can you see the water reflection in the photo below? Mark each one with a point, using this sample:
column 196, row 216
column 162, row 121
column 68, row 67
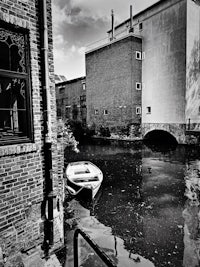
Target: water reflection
column 148, row 211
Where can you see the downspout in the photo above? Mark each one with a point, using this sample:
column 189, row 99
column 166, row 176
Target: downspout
column 48, row 194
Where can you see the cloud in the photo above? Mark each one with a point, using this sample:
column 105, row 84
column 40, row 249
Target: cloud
column 77, row 23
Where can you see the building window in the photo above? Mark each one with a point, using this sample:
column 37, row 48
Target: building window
column 15, row 87
column 138, row 110
column 105, row 112
column 82, row 98
column 96, row 111
column 84, row 87
column 138, row 86
column 138, row 55
column 148, row 110
column 140, row 26
column 62, row 90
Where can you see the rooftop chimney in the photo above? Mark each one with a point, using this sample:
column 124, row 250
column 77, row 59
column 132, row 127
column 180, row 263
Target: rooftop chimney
column 131, row 19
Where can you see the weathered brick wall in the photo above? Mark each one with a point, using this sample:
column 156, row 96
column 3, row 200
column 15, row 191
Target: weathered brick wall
column 70, row 98
column 111, row 75
column 22, row 166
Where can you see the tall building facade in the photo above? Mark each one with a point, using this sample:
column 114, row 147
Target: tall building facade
column 169, row 32
column 31, row 156
column 113, row 78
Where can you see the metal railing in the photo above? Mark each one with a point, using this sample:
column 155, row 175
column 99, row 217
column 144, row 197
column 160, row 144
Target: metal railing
column 93, row 245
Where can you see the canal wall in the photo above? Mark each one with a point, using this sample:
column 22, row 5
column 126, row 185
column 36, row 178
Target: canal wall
column 116, row 141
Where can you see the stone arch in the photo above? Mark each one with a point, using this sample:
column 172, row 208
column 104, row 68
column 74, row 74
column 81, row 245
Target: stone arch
column 160, row 136
column 177, row 130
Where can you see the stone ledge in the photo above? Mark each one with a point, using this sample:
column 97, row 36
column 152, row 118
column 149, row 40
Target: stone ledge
column 18, row 149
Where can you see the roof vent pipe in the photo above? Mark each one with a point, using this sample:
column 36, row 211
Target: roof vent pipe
column 131, row 19
column 112, row 26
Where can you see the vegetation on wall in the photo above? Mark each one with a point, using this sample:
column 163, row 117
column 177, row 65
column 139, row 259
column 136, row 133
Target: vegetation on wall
column 64, row 130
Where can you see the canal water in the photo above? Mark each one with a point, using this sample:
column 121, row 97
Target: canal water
column 147, row 211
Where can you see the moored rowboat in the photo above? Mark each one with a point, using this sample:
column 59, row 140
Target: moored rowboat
column 83, row 177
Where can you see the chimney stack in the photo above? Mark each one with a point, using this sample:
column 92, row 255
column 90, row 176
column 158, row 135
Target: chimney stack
column 131, row 19
column 112, row 25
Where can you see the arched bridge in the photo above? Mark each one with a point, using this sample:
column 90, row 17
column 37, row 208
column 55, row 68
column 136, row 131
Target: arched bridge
column 160, row 137
column 164, row 132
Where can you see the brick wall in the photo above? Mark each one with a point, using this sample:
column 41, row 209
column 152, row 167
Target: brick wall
column 22, row 166
column 72, row 99
column 111, row 75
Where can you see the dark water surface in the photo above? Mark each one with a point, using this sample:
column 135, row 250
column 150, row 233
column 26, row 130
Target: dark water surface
column 147, row 211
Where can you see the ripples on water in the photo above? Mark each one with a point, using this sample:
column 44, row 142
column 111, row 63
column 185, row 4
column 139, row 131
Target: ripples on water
column 147, row 211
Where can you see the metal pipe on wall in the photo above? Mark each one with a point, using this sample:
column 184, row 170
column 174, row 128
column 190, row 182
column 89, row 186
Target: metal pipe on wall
column 48, row 194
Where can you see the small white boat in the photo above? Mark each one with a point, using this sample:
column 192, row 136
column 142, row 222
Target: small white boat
column 83, row 177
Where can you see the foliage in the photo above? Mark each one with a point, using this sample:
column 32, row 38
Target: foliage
column 69, row 140
column 77, row 129
column 104, row 131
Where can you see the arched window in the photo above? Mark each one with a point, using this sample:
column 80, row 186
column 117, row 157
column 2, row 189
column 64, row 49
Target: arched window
column 15, row 108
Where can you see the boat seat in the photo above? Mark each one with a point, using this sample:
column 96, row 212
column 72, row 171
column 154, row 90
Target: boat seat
column 85, row 179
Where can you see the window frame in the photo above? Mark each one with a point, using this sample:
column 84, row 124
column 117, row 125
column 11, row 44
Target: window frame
column 136, row 110
column 140, row 86
column 96, row 112
column 105, row 112
column 29, row 137
column 138, row 53
column 83, row 86
column 148, row 109
column 62, row 90
column 140, row 26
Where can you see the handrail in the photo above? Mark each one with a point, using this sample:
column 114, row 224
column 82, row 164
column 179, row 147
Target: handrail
column 96, row 248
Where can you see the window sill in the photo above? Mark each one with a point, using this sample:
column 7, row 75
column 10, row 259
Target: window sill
column 8, row 150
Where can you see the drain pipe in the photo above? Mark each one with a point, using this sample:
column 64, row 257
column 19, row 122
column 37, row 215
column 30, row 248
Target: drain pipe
column 48, row 194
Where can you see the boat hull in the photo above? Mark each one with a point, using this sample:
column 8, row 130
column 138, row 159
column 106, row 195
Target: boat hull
column 83, row 179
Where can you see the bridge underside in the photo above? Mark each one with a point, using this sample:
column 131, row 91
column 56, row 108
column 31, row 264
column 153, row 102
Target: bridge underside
column 165, row 132
column 160, row 137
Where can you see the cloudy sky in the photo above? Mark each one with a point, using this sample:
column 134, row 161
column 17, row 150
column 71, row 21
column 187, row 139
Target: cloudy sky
column 78, row 23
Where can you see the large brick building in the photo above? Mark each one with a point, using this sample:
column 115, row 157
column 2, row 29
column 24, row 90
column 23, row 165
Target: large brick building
column 113, row 79
column 169, row 32
column 31, row 158
column 71, row 100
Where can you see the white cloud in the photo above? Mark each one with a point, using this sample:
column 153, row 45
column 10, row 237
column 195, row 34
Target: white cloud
column 77, row 23
column 59, row 40
column 82, row 50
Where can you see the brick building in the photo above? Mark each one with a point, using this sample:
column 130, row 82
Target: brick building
column 113, row 78
column 59, row 78
column 170, row 33
column 31, row 156
column 71, row 99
